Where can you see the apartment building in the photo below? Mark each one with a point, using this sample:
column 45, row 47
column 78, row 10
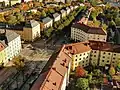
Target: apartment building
column 57, row 77
column 82, row 32
column 80, row 54
column 28, row 31
column 10, row 45
column 2, row 53
column 46, row 22
column 70, row 56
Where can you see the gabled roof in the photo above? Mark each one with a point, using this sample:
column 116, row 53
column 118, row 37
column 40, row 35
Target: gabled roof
column 8, row 36
column 87, row 29
column 31, row 24
column 46, row 20
column 56, row 15
column 63, row 11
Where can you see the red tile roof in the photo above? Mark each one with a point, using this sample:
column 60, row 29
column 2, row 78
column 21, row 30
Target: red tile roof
column 55, row 75
column 53, row 81
column 1, row 47
column 78, row 48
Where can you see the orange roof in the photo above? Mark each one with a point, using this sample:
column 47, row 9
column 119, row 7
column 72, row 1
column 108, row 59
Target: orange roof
column 53, row 81
column 1, row 46
column 78, row 47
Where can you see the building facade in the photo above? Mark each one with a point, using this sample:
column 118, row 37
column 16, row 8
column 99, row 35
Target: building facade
column 28, row 32
column 82, row 32
column 12, row 43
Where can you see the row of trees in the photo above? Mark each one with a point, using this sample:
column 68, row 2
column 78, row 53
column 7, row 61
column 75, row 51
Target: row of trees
column 59, row 25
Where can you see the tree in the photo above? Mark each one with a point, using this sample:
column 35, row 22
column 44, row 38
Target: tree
column 81, row 1
column 117, row 21
column 2, row 19
column 112, row 71
column 80, row 72
column 118, row 66
column 43, row 14
column 12, row 19
column 48, row 32
column 20, row 17
column 82, row 84
column 51, row 10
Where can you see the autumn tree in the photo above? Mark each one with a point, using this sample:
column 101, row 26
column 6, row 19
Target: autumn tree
column 80, row 72
column 112, row 71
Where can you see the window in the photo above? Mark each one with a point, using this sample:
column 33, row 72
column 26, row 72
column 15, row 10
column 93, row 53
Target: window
column 83, row 61
column 75, row 59
column 76, row 55
column 94, row 51
column 84, row 53
column 75, row 63
column 104, row 53
column 113, row 58
column 103, row 56
column 94, row 55
column 102, row 60
column 107, row 61
column 108, row 53
column 80, row 59
column 114, row 54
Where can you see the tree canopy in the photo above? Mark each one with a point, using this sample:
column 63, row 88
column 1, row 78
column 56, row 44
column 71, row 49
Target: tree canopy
column 82, row 83
column 112, row 71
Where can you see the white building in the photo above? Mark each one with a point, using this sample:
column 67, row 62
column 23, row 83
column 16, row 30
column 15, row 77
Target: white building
column 63, row 13
column 12, row 43
column 56, row 17
column 68, row 10
column 82, row 32
column 47, row 22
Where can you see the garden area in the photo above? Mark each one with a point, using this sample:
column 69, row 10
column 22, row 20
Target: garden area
column 94, row 77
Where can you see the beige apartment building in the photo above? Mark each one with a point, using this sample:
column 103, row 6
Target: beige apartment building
column 28, row 32
column 11, row 45
column 82, row 32
column 94, row 52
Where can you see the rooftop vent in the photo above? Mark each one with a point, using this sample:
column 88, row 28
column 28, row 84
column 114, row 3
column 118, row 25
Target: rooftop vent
column 54, row 83
column 47, row 80
column 54, row 68
column 63, row 64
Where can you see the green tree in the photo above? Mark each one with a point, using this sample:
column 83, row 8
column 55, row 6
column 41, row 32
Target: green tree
column 49, row 31
column 118, row 66
column 112, row 71
column 51, row 10
column 12, row 19
column 61, row 27
column 117, row 21
column 82, row 84
column 19, row 17
column 82, row 1
column 43, row 14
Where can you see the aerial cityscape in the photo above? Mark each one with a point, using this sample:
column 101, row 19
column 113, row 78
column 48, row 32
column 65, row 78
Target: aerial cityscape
column 59, row 44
